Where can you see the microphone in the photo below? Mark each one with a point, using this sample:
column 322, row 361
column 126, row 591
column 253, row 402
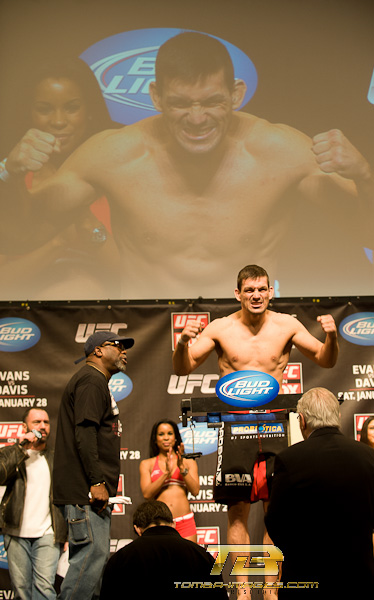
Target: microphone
column 36, row 433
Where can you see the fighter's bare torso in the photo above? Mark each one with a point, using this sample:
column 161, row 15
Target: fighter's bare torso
column 253, row 338
column 196, row 215
column 142, row 169
column 199, row 214
column 242, row 347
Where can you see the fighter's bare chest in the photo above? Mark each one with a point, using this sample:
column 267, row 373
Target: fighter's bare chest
column 244, row 349
column 153, row 189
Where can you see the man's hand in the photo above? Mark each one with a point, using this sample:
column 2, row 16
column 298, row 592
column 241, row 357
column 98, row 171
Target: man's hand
column 335, row 154
column 99, row 497
column 192, row 330
column 327, row 323
column 186, row 358
column 32, row 152
column 30, row 437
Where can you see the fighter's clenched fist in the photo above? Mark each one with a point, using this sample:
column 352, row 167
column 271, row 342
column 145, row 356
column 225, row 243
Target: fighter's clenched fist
column 32, row 152
column 335, row 154
column 192, row 329
column 327, row 323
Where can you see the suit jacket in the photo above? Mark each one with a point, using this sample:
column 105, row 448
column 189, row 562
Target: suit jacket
column 321, row 514
column 149, row 566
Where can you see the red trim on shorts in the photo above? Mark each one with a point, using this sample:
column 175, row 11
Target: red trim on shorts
column 260, row 490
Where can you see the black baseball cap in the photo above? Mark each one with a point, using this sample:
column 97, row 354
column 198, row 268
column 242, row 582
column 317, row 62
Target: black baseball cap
column 98, row 338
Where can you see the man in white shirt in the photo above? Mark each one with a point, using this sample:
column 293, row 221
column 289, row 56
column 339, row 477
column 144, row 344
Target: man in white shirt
column 33, row 528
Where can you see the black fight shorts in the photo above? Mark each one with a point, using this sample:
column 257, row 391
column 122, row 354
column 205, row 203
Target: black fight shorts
column 245, row 460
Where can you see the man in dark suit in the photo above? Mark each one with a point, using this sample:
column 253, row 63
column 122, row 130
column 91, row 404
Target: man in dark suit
column 160, row 562
column 321, row 512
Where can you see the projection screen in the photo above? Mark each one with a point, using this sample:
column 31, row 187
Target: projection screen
column 166, row 189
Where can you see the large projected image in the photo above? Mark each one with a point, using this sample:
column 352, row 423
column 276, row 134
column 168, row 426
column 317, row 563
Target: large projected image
column 181, row 185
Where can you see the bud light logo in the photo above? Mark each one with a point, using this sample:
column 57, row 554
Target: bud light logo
column 3, row 554
column 358, row 329
column 120, row 385
column 199, row 438
column 17, row 335
column 124, row 65
column 247, row 389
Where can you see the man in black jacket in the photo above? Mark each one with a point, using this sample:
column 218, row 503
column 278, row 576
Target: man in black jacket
column 160, row 563
column 33, row 528
column 321, row 512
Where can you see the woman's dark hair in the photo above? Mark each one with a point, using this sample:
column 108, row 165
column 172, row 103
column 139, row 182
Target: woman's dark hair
column 364, row 431
column 153, row 448
column 80, row 73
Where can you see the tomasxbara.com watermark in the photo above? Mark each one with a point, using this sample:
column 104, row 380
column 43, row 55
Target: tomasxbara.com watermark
column 247, row 564
column 252, row 585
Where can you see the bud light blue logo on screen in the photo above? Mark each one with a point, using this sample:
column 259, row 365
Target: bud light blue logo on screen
column 120, row 385
column 124, row 65
column 358, row 329
column 247, row 389
column 199, row 438
column 3, row 554
column 18, row 334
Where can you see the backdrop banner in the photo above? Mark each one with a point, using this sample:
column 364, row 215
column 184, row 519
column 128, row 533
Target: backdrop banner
column 40, row 341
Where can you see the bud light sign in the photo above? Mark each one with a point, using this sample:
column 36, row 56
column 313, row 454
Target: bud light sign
column 358, row 329
column 17, row 334
column 120, row 385
column 3, row 554
column 247, row 389
column 199, row 438
column 124, row 65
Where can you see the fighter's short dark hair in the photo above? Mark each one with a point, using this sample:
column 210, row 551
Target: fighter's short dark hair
column 152, row 512
column 251, row 272
column 192, row 56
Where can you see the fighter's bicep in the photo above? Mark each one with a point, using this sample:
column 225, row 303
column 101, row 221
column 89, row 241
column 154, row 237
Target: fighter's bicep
column 63, row 198
column 201, row 349
column 71, row 191
column 306, row 342
column 327, row 190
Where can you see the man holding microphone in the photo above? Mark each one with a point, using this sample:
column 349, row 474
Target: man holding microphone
column 33, row 528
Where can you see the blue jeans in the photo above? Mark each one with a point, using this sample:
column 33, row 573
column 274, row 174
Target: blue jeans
column 89, row 548
column 32, row 566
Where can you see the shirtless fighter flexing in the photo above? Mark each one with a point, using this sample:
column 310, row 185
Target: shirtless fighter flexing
column 253, row 338
column 199, row 162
